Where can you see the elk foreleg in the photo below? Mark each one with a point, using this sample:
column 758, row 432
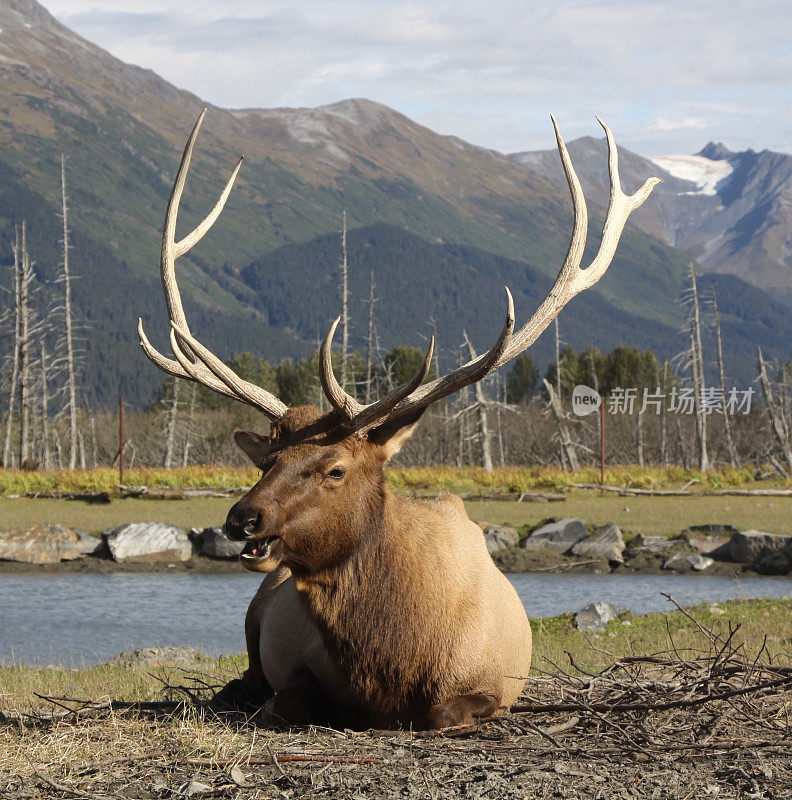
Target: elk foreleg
column 250, row 692
column 304, row 702
column 466, row 709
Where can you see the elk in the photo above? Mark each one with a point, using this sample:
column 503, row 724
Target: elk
column 375, row 609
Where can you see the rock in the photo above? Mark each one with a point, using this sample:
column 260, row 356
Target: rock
column 753, row 547
column 157, row 657
column 713, row 529
column 685, row 562
column 773, row 562
column 197, row 789
column 699, row 562
column 716, row 546
column 605, row 542
column 653, row 543
column 676, row 562
column 46, row 544
column 148, row 542
column 595, row 617
column 559, row 536
column 214, row 543
column 499, row 537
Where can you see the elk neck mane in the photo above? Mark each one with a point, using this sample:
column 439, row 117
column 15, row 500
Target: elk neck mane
column 394, row 573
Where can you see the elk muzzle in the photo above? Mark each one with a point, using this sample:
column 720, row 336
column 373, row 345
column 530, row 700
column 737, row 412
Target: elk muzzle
column 258, row 525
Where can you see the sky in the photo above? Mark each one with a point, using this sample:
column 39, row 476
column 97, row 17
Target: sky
column 667, row 76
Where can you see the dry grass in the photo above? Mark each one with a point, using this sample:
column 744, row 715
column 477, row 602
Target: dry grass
column 421, row 479
column 106, row 479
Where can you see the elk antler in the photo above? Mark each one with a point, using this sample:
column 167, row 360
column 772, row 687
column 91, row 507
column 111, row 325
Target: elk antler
column 571, row 281
column 193, row 361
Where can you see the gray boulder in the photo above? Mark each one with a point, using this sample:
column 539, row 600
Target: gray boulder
column 157, row 657
column 595, row 617
column 214, row 543
column 685, row 562
column 148, row 542
column 719, row 547
column 652, row 544
column 605, row 542
column 773, row 562
column 499, row 537
column 46, row 544
column 699, row 562
column 758, row 548
column 714, row 529
column 559, row 536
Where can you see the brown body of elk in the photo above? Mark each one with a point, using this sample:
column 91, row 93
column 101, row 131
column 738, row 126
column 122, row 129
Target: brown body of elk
column 376, row 610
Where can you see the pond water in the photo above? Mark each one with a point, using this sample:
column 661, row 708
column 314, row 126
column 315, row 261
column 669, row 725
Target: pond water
column 86, row 619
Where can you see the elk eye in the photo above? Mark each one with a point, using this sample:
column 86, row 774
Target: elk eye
column 337, row 473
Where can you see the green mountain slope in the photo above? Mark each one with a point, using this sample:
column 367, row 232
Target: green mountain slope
column 421, row 286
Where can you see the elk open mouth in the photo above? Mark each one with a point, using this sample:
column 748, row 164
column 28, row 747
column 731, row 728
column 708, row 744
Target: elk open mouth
column 257, row 551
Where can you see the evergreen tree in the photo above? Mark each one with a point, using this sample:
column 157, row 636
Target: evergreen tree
column 523, row 380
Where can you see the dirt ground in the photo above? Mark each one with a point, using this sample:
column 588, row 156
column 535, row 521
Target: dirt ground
column 151, row 755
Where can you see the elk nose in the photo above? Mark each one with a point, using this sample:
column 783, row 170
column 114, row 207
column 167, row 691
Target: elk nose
column 242, row 523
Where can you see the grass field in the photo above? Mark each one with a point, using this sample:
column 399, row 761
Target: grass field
column 647, row 515
column 767, row 622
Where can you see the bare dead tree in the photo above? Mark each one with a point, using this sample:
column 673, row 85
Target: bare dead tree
column 568, row 452
column 480, row 407
column 683, row 455
column 71, row 385
column 189, row 427
column 93, row 442
column 777, row 420
column 58, row 448
column 562, row 451
column 639, row 438
column 23, row 345
column 663, row 416
column 370, row 339
column 46, row 458
column 173, row 415
column 12, row 393
column 697, row 369
column 344, row 304
column 733, row 460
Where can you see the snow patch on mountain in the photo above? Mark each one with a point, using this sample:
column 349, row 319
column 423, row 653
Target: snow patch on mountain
column 704, row 172
column 306, row 126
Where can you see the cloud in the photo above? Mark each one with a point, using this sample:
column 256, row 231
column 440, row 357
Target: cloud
column 664, row 73
column 663, row 124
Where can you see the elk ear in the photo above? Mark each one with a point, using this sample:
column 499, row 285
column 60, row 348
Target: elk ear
column 391, row 436
column 254, row 446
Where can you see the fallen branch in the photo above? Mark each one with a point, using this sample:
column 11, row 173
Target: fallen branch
column 579, row 705
column 567, row 566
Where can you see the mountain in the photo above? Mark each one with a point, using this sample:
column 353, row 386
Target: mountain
column 463, row 214
column 730, row 212
column 460, row 287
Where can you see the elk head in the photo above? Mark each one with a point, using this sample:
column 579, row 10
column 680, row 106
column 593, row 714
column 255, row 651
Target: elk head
column 322, row 490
